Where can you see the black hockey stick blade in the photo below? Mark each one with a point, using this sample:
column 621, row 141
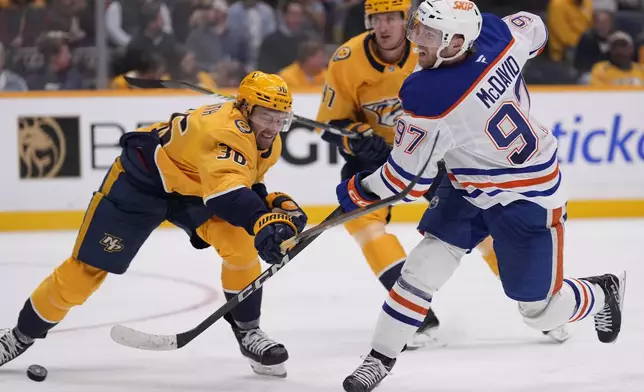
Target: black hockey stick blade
column 176, row 84
column 145, row 341
column 314, row 231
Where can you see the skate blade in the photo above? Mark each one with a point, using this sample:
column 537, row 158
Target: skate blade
column 559, row 334
column 427, row 339
column 278, row 370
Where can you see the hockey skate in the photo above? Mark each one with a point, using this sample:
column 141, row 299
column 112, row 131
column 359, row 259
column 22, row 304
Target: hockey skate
column 265, row 355
column 370, row 374
column 11, row 346
column 559, row 334
column 426, row 335
column 608, row 321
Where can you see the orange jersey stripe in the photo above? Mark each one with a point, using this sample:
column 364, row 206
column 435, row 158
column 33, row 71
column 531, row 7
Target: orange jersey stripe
column 400, row 184
column 586, row 294
column 510, row 184
column 556, row 218
column 407, row 303
column 483, row 75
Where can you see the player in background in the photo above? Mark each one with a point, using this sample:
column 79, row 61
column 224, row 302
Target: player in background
column 503, row 180
column 202, row 170
column 361, row 95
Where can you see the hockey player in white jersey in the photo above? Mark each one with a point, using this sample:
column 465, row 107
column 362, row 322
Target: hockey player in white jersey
column 469, row 97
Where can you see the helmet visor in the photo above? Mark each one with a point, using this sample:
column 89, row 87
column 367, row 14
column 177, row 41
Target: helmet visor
column 423, row 35
column 269, row 119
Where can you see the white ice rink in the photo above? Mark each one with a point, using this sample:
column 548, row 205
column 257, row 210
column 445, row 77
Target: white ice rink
column 323, row 307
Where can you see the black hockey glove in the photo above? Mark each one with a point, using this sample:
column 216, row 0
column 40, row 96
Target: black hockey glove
column 367, row 148
column 281, row 202
column 270, row 231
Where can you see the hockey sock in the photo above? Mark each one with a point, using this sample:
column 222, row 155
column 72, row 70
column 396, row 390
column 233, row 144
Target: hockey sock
column 69, row 285
column 490, row 259
column 576, row 300
column 247, row 313
column 237, row 273
column 402, row 313
column 589, row 298
column 386, row 257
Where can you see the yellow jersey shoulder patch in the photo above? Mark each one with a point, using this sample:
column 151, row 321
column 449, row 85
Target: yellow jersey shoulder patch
column 342, row 53
column 243, row 126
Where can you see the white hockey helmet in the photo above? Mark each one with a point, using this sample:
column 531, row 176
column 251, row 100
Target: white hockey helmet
column 436, row 22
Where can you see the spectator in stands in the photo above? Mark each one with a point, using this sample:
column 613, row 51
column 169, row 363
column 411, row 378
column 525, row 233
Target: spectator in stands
column 125, row 19
column 64, row 16
column 59, row 72
column 593, row 46
column 314, row 18
column 252, row 18
column 21, row 22
column 567, row 21
column 149, row 66
column 354, row 19
column 152, row 38
column 10, row 81
column 184, row 68
column 212, row 40
column 229, row 73
column 620, row 69
column 640, row 48
column 279, row 49
column 309, row 68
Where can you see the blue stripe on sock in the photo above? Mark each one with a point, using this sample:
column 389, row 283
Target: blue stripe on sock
column 400, row 317
column 592, row 299
column 417, row 292
column 577, row 297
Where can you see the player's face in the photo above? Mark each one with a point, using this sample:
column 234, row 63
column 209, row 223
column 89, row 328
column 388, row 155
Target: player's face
column 267, row 124
column 389, row 28
column 428, row 40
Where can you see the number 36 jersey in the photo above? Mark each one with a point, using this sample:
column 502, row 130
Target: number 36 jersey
column 210, row 151
column 495, row 151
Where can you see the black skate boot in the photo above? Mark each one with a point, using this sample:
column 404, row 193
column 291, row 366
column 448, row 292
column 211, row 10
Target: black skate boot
column 426, row 333
column 265, row 355
column 608, row 321
column 12, row 344
column 370, row 374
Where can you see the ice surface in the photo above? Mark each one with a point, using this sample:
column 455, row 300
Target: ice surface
column 323, row 307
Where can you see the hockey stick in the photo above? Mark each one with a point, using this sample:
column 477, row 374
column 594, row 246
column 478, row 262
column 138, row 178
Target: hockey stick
column 176, row 84
column 293, row 241
column 145, row 341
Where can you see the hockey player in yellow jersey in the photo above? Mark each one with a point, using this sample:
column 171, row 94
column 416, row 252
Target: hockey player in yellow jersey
column 361, row 95
column 203, row 171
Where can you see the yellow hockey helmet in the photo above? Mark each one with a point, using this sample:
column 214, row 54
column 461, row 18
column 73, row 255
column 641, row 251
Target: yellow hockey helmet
column 266, row 90
column 372, row 7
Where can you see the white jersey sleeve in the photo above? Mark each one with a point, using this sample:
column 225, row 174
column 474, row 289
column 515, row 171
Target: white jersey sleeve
column 528, row 30
column 414, row 141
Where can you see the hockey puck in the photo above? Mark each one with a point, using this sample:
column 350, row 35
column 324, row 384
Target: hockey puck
column 37, row 373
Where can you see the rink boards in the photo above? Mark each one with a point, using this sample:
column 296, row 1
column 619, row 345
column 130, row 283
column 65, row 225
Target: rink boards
column 57, row 147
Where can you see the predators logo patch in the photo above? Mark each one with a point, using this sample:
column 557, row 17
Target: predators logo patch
column 342, row 53
column 386, row 111
column 242, row 126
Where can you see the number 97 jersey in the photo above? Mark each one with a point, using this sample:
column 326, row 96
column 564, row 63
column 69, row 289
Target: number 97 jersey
column 495, row 150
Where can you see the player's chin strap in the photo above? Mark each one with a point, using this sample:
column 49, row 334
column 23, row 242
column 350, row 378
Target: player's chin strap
column 440, row 59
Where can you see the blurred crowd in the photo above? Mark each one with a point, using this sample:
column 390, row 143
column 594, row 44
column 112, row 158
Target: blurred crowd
column 52, row 44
